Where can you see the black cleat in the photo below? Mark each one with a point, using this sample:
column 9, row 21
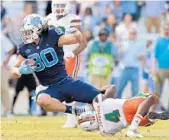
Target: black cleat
column 160, row 116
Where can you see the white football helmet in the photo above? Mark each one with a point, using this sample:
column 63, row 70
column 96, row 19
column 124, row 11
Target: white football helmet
column 60, row 7
column 87, row 121
column 32, row 27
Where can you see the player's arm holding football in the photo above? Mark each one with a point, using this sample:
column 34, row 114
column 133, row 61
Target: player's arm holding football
column 22, row 66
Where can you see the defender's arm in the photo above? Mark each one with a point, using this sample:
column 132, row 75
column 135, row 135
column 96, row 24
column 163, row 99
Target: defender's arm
column 73, row 38
column 76, row 23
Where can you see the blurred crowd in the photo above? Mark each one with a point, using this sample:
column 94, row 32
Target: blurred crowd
column 127, row 42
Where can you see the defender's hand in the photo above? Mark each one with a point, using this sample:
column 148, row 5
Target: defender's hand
column 27, row 67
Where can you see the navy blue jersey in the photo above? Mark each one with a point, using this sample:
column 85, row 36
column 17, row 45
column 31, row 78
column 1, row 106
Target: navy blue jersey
column 48, row 56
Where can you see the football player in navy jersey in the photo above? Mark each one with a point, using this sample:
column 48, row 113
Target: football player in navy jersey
column 45, row 48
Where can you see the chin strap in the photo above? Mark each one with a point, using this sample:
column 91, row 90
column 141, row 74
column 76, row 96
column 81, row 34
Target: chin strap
column 60, row 16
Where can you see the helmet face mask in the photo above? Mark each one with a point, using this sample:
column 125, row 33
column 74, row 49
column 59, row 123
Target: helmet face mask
column 32, row 27
column 29, row 36
column 87, row 121
column 60, row 8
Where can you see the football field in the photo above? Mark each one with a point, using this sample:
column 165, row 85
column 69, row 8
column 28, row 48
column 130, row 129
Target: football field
column 49, row 128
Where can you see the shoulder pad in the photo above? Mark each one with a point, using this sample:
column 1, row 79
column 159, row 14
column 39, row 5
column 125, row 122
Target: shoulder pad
column 75, row 20
column 21, row 45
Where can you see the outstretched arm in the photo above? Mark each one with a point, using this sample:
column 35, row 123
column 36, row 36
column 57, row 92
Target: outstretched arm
column 76, row 24
column 73, row 38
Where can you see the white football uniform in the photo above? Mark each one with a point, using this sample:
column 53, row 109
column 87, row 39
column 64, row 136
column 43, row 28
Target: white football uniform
column 67, row 21
column 112, row 116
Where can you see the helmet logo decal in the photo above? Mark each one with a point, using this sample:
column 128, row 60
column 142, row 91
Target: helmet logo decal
column 35, row 21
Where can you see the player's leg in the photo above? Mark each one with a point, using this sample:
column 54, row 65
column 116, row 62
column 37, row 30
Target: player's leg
column 145, row 77
column 123, row 82
column 14, row 101
column 5, row 98
column 77, row 61
column 149, row 24
column 72, row 68
column 51, row 99
column 71, row 121
column 159, row 82
column 31, row 85
column 142, row 107
column 30, row 102
column 50, row 104
column 19, row 87
column 135, row 81
column 81, row 92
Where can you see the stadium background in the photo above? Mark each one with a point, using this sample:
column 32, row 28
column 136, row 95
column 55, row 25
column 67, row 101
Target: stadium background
column 91, row 25
column 31, row 127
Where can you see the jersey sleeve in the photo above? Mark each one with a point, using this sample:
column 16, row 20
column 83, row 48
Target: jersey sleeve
column 55, row 34
column 21, row 50
column 75, row 21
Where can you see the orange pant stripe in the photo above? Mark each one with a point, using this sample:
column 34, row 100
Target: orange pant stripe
column 76, row 67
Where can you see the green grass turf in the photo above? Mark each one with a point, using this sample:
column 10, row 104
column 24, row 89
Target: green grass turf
column 49, row 128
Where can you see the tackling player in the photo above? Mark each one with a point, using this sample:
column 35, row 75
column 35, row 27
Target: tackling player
column 115, row 114
column 46, row 49
column 60, row 17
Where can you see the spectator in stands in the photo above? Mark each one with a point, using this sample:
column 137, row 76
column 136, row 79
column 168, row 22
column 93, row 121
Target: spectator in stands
column 6, row 24
column 140, row 8
column 108, row 11
column 161, row 60
column 111, row 23
column 102, row 9
column 153, row 16
column 6, row 52
column 5, row 20
column 146, row 66
column 88, row 20
column 130, row 7
column 131, row 54
column 100, row 55
column 88, row 35
column 75, row 7
column 48, row 9
column 122, row 30
column 3, row 10
column 116, row 70
column 117, row 10
column 34, row 5
column 85, row 4
column 3, row 13
column 28, row 9
column 27, row 81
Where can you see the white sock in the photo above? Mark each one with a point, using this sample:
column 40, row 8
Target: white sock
column 71, row 119
column 135, row 122
column 89, row 107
